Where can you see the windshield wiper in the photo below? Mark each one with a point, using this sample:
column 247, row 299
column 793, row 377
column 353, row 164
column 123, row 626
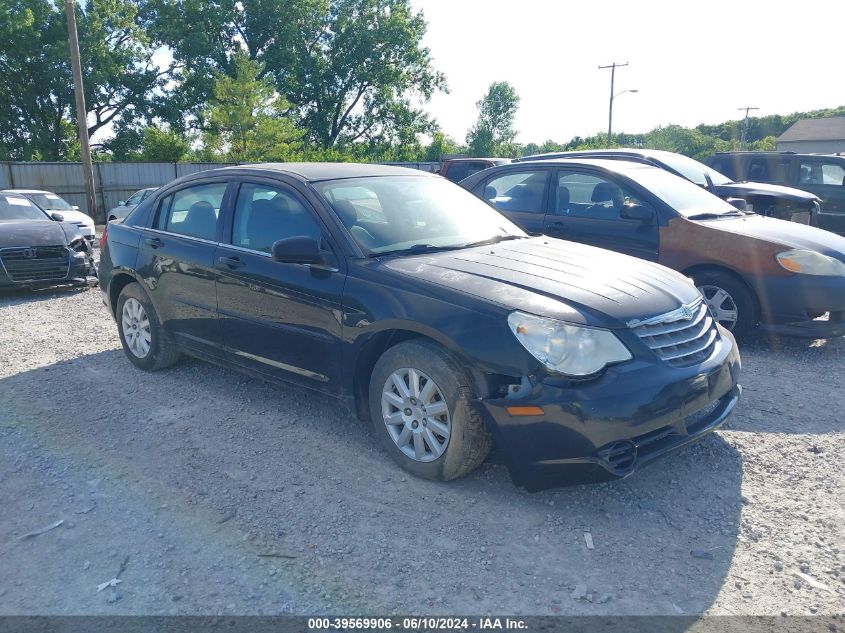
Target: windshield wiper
column 493, row 240
column 414, row 250
column 714, row 216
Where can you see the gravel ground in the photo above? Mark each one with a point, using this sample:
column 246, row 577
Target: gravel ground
column 205, row 492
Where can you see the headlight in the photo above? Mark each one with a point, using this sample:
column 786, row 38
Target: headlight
column 810, row 263
column 568, row 349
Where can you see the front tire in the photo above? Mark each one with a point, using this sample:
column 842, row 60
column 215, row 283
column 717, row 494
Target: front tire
column 730, row 302
column 420, row 405
column 144, row 340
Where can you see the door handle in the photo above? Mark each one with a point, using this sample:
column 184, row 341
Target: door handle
column 230, row 262
column 560, row 224
column 154, row 242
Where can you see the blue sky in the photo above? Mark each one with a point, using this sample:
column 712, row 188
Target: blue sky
column 692, row 62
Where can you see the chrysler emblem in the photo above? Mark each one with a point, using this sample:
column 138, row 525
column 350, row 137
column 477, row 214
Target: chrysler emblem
column 29, row 253
column 687, row 312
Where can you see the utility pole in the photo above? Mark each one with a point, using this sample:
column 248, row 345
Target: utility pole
column 744, row 132
column 613, row 68
column 81, row 112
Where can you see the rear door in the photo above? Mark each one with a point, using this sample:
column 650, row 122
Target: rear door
column 279, row 319
column 586, row 208
column 176, row 258
column 520, row 194
column 826, row 179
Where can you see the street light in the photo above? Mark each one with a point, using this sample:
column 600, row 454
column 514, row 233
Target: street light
column 610, row 113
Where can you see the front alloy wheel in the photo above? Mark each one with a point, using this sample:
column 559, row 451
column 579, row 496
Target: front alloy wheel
column 420, row 400
column 416, row 414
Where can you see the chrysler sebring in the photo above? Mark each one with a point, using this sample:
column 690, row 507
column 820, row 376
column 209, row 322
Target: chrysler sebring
column 431, row 314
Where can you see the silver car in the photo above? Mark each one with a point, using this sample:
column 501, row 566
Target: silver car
column 125, row 206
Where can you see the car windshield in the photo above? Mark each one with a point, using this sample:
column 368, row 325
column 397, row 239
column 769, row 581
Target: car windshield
column 396, row 213
column 14, row 208
column 50, row 202
column 693, row 170
column 685, row 197
column 135, row 198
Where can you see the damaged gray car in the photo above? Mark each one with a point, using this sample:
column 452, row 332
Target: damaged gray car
column 37, row 250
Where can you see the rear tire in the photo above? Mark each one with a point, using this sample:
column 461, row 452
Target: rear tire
column 434, row 431
column 144, row 340
column 730, row 302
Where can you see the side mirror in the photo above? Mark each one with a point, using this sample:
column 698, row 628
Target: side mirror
column 738, row 203
column 75, row 207
column 121, row 203
column 58, row 217
column 297, row 250
column 641, row 212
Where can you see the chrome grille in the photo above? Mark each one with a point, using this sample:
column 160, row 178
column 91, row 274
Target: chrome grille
column 37, row 263
column 682, row 337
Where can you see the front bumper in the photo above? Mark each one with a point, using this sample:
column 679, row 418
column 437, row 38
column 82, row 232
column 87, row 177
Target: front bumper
column 791, row 304
column 77, row 271
column 610, row 427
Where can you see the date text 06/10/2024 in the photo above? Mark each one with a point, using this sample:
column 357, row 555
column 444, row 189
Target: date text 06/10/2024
column 416, row 624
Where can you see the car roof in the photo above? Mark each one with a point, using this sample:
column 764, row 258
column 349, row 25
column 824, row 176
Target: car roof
column 648, row 153
column 604, row 163
column 25, row 191
column 314, row 172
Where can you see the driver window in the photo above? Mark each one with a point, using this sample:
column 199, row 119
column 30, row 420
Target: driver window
column 265, row 214
column 588, row 196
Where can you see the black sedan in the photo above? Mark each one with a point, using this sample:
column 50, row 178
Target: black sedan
column 428, row 312
column 36, row 251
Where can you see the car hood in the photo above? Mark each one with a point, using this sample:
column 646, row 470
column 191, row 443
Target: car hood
column 788, row 234
column 36, row 233
column 76, row 216
column 557, row 279
column 765, row 189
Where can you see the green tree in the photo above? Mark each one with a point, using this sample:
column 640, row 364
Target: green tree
column 352, row 69
column 440, row 145
column 493, row 133
column 36, row 94
column 163, row 146
column 245, row 120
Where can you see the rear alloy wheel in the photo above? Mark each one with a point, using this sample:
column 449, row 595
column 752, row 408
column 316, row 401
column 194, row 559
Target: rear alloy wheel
column 730, row 302
column 136, row 328
column 420, row 403
column 145, row 342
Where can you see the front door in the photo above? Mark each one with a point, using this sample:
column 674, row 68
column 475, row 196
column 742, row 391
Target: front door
column 176, row 259
column 586, row 208
column 279, row 319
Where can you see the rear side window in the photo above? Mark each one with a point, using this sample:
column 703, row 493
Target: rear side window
column 768, row 169
column 457, row 171
column 725, row 165
column 518, row 191
column 192, row 211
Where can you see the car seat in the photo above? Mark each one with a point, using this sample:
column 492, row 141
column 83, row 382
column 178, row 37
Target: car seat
column 200, row 221
column 604, row 193
column 563, row 197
